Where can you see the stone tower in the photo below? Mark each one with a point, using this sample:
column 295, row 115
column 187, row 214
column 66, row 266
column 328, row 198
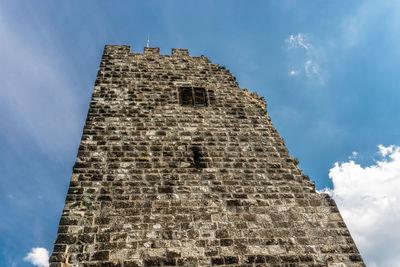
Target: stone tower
column 179, row 166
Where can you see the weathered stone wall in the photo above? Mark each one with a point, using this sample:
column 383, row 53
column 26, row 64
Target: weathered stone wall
column 137, row 198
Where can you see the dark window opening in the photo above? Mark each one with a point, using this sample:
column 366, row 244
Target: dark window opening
column 196, row 157
column 186, row 97
column 199, row 96
column 193, row 96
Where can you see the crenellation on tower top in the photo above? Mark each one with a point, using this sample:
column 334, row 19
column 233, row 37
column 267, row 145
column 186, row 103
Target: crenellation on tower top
column 117, row 49
column 151, row 51
column 126, row 49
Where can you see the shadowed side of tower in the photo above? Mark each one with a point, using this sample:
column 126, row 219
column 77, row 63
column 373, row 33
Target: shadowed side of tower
column 178, row 166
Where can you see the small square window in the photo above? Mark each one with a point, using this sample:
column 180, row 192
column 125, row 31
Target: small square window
column 190, row 96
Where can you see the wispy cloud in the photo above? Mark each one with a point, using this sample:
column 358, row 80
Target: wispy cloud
column 354, row 155
column 357, row 27
column 370, row 19
column 38, row 257
column 299, row 40
column 368, row 198
column 311, row 69
column 301, row 44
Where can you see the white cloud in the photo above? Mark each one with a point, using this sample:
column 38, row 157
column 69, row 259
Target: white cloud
column 354, row 155
column 384, row 151
column 38, row 257
column 299, row 40
column 305, row 56
column 311, row 69
column 369, row 201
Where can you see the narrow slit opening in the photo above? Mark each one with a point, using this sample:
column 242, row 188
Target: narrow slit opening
column 196, row 157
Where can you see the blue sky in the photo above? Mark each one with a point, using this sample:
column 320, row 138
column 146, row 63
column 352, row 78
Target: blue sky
column 327, row 69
